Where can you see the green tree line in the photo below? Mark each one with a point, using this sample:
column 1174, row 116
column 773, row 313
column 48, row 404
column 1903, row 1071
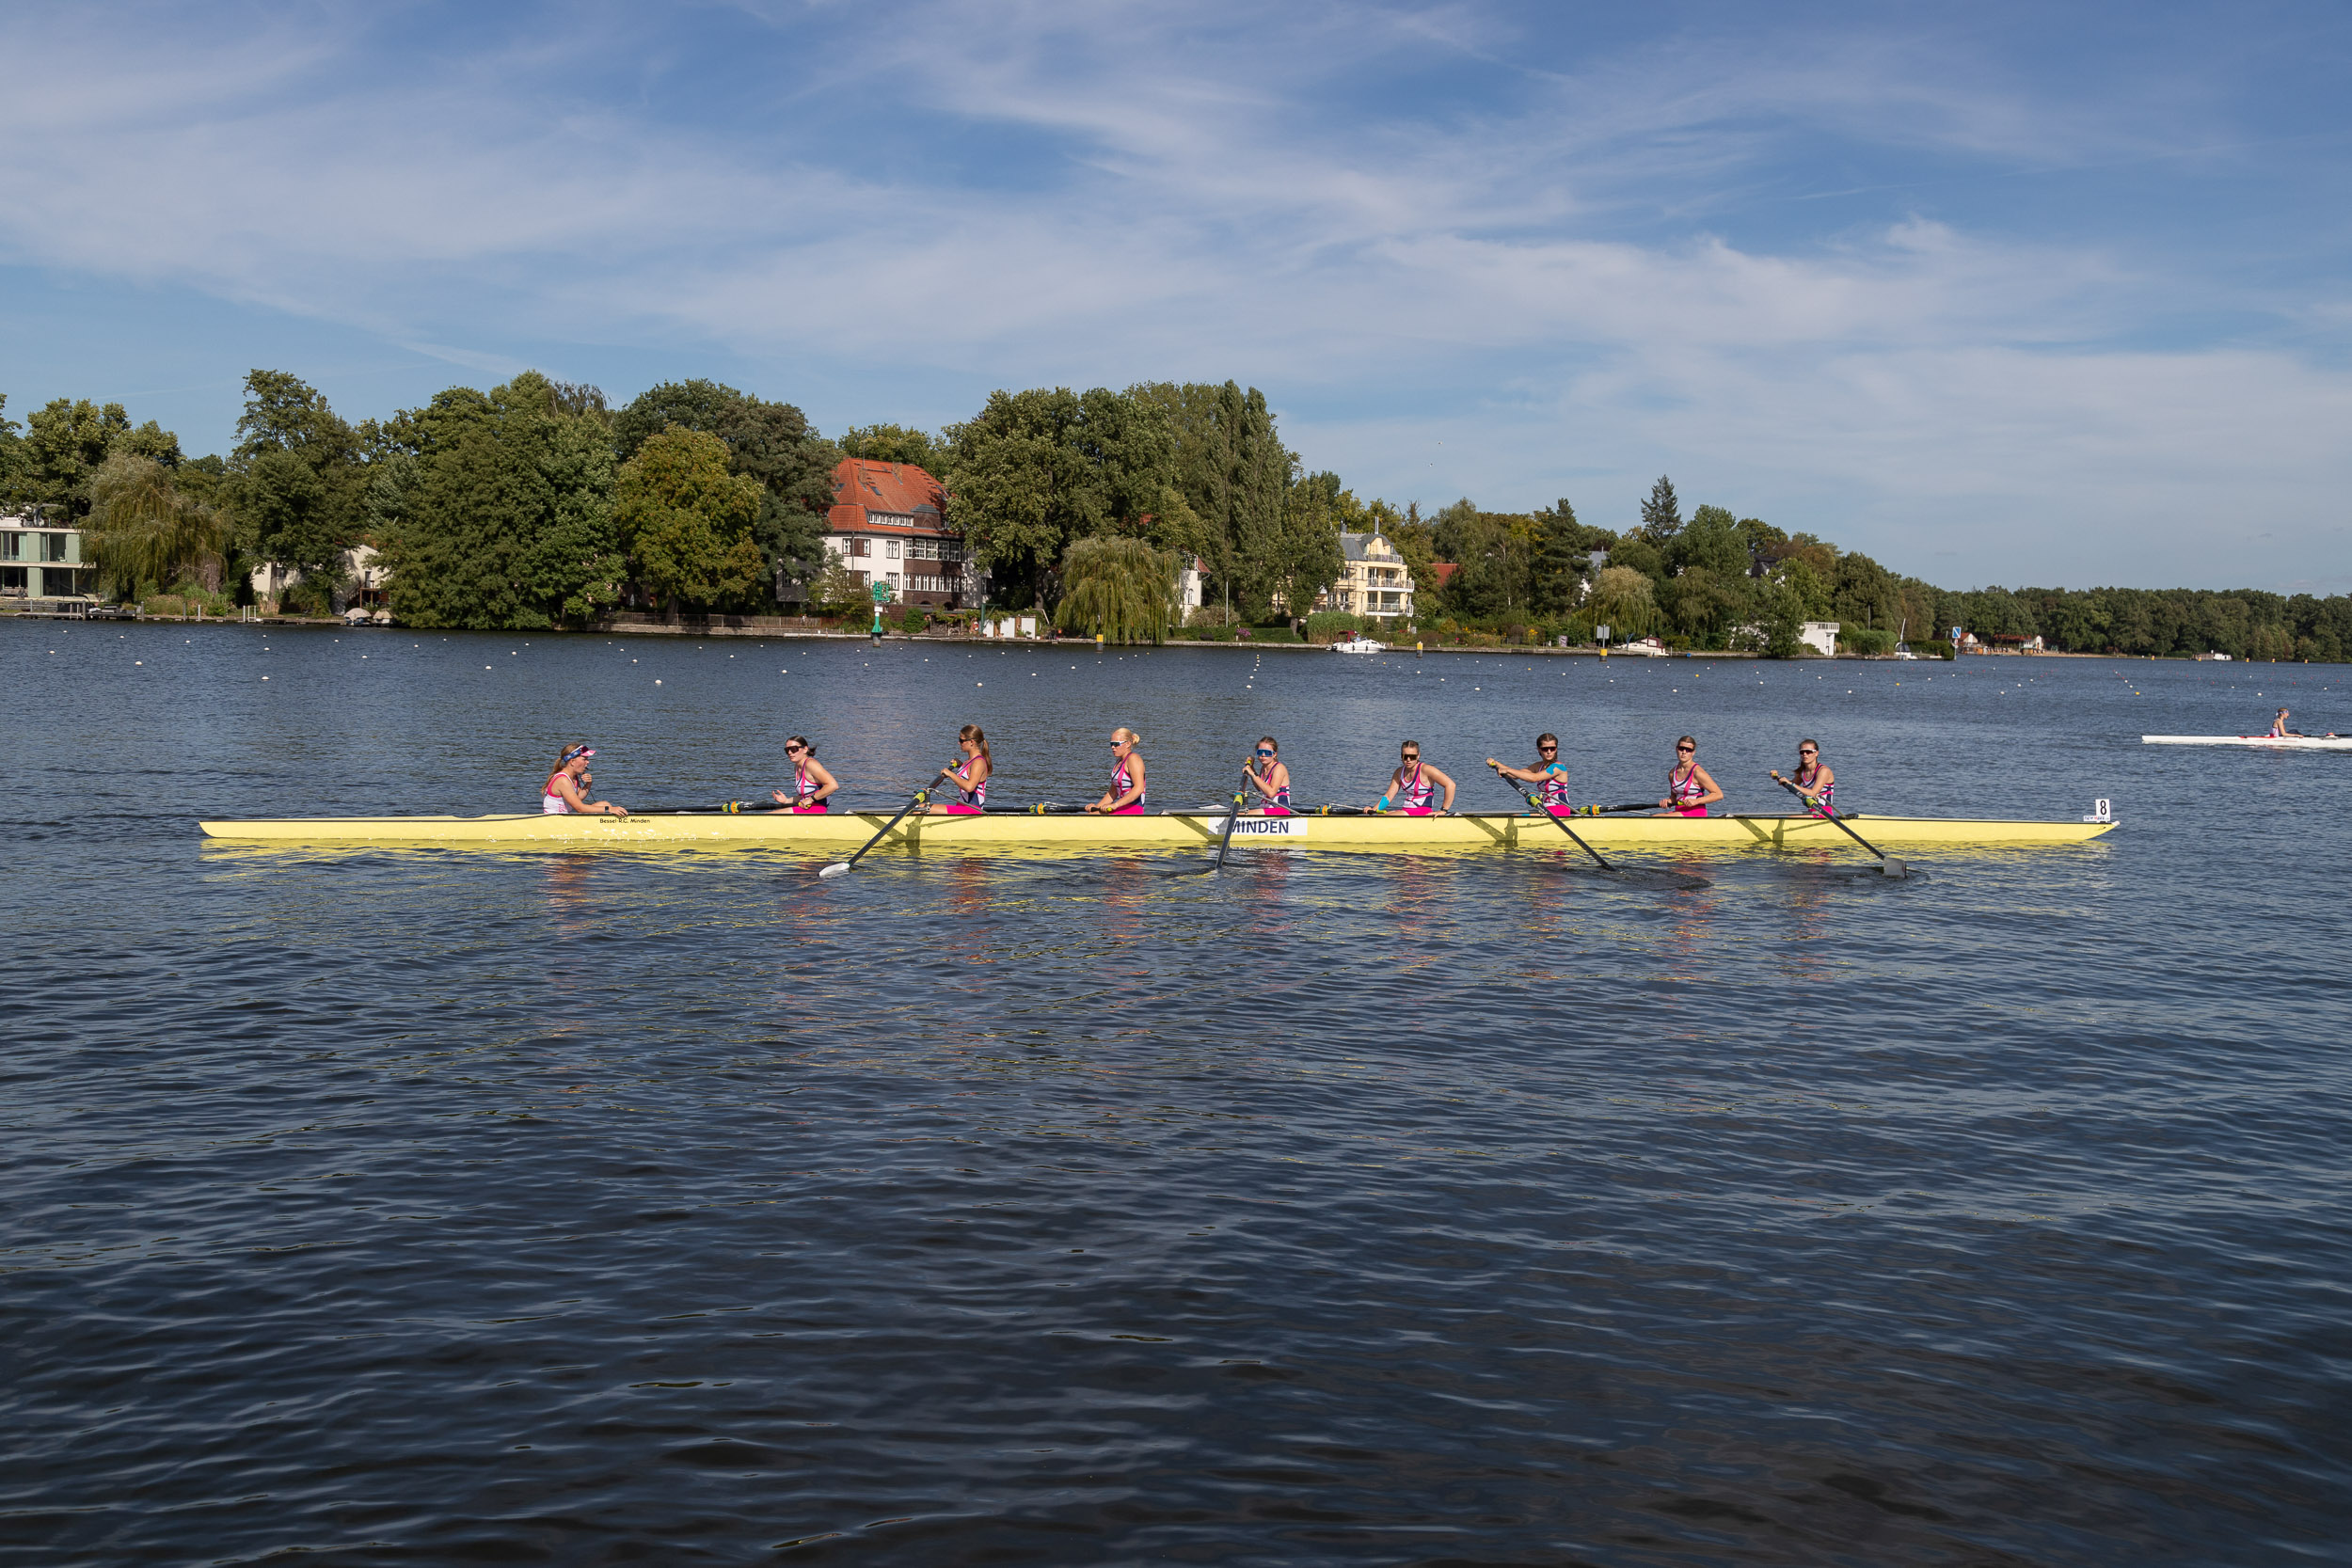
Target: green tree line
column 535, row 504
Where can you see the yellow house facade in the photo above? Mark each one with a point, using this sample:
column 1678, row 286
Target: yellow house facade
column 1374, row 580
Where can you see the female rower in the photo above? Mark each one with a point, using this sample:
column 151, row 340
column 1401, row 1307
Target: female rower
column 562, row 795
column 1411, row 785
column 1125, row 795
column 1688, row 789
column 971, row 775
column 2278, row 725
column 811, row 785
column 1269, row 778
column 1814, row 781
column 1548, row 771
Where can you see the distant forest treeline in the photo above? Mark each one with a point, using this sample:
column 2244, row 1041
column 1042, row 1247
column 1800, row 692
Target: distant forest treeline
column 537, row 504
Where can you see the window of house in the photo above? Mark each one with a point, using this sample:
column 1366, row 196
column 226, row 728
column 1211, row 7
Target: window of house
column 11, row 546
column 890, row 552
column 52, row 547
column 857, row 548
column 12, row 579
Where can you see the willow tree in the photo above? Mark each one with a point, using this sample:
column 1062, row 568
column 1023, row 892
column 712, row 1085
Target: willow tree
column 142, row 530
column 1117, row 588
column 1624, row 600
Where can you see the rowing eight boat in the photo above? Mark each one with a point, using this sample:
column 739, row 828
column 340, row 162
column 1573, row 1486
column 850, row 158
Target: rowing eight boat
column 2266, row 742
column 1177, row 830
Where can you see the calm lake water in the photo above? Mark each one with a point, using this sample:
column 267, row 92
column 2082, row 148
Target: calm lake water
column 449, row 1207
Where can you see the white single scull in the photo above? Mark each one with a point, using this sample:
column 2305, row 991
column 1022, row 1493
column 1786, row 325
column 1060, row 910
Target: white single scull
column 2262, row 742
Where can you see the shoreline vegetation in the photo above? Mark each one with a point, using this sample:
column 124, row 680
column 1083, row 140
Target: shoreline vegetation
column 538, row 506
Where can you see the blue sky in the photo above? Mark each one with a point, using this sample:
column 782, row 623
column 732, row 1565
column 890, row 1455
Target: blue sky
column 2026, row 294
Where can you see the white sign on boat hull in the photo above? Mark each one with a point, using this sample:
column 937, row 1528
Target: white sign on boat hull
column 1270, row 830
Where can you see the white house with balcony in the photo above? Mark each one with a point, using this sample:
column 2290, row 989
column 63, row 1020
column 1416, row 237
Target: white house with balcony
column 1373, row 579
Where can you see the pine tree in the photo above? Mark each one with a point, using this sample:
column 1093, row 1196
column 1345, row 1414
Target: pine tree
column 1662, row 515
column 1561, row 557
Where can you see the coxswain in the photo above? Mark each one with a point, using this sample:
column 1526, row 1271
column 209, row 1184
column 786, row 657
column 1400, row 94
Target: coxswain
column 1412, row 785
column 1814, row 781
column 811, row 785
column 1125, row 797
column 1269, row 778
column 562, row 793
column 1547, row 770
column 1688, row 789
column 969, row 776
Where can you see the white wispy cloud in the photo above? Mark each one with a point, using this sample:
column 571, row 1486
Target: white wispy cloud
column 1411, row 225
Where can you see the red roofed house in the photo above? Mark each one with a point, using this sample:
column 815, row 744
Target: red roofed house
column 887, row 524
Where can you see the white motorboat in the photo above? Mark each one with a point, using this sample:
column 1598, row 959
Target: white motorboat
column 1359, row 644
column 1643, row 647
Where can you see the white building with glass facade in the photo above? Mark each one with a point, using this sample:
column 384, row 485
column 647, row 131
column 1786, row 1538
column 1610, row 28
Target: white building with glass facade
column 41, row 558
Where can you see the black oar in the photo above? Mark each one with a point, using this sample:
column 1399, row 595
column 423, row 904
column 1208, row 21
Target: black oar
column 1886, row 868
column 1622, row 873
column 1225, row 840
column 1561, row 820
column 838, row 867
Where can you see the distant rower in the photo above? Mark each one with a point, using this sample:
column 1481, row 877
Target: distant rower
column 1125, row 797
column 1269, row 778
column 1814, row 780
column 1688, row 789
column 970, row 776
column 812, row 786
column 1411, row 785
column 561, row 794
column 1548, row 771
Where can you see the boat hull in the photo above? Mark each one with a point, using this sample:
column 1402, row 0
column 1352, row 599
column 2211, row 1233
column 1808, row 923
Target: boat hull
column 1161, row 831
column 2260, row 742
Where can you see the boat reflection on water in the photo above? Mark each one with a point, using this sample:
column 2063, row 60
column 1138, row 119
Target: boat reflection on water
column 571, row 911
